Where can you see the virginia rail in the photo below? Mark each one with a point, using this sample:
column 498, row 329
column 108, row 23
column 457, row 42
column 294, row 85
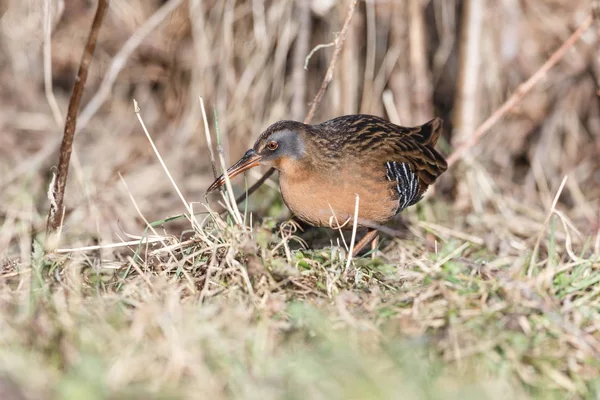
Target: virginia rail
column 323, row 167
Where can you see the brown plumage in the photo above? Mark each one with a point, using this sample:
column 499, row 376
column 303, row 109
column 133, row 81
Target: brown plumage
column 322, row 167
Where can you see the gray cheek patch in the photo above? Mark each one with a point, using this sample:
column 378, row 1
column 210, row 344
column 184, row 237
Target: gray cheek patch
column 297, row 150
column 291, row 143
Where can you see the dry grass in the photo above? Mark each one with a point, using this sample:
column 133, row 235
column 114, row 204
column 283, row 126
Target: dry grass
column 492, row 292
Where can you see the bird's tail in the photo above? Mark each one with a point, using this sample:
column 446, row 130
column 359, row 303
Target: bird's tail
column 430, row 132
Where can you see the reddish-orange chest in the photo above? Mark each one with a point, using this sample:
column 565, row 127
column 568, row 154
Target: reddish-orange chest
column 329, row 198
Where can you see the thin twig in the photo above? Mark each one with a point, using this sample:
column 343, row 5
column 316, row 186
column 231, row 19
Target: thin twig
column 339, row 43
column 228, row 196
column 56, row 212
column 353, row 239
column 112, row 245
column 521, row 91
column 208, row 138
column 314, row 50
column 538, row 241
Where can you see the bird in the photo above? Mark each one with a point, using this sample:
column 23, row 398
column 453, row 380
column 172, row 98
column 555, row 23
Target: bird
column 324, row 168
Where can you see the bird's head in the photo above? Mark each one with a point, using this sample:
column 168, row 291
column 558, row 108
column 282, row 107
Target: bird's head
column 283, row 142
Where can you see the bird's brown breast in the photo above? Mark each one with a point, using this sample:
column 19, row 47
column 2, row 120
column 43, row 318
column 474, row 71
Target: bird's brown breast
column 328, row 198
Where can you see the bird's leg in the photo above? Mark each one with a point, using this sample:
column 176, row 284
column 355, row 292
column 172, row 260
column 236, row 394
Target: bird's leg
column 374, row 245
column 368, row 238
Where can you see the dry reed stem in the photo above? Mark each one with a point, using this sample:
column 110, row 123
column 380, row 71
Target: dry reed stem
column 422, row 89
column 389, row 104
column 56, row 211
column 521, row 91
column 349, row 72
column 371, row 49
column 466, row 111
column 208, row 139
column 299, row 73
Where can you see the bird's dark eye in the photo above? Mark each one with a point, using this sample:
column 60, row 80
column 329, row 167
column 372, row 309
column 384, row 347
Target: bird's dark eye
column 272, row 145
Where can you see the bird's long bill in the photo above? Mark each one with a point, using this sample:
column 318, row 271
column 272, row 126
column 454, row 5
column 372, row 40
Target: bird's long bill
column 249, row 160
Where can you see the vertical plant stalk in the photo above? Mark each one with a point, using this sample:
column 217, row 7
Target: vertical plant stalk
column 350, row 69
column 422, row 89
column 399, row 83
column 370, row 57
column 56, row 193
column 467, row 105
column 339, row 44
column 466, row 111
column 300, row 51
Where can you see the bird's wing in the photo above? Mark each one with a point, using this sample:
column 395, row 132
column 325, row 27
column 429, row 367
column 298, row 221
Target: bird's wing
column 406, row 183
column 423, row 160
column 374, row 142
